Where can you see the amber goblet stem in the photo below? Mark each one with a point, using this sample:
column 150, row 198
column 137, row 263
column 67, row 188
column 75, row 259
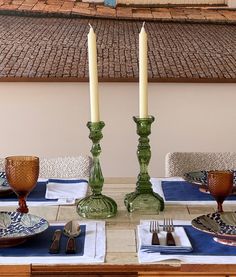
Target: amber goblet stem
column 23, row 208
column 219, row 207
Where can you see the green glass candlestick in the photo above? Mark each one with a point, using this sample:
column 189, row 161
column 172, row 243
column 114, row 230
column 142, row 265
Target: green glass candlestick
column 96, row 205
column 143, row 198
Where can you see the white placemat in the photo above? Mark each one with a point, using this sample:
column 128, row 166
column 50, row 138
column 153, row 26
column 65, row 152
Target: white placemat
column 94, row 249
column 145, row 257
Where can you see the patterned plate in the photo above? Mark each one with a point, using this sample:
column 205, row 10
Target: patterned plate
column 220, row 225
column 200, row 178
column 15, row 228
column 5, row 190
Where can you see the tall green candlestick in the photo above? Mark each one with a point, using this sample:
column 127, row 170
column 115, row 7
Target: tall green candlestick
column 144, row 198
column 96, row 205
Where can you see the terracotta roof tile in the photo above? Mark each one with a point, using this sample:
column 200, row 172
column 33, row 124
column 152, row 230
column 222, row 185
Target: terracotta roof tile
column 44, row 47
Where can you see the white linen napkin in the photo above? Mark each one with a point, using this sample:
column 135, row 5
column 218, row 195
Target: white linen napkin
column 148, row 253
column 183, row 244
column 66, row 189
column 144, row 257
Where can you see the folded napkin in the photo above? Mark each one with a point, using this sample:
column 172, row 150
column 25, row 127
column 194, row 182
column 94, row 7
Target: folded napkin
column 69, row 189
column 183, row 244
column 205, row 249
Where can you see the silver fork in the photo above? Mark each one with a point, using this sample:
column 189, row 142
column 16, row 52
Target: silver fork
column 168, row 227
column 154, row 229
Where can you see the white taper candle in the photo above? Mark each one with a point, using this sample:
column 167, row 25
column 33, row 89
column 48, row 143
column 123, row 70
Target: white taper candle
column 93, row 76
column 143, row 77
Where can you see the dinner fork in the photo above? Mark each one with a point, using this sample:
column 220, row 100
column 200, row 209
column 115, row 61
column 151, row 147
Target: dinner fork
column 154, row 229
column 168, row 227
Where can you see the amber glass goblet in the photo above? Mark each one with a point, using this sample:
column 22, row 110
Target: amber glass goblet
column 220, row 185
column 22, row 174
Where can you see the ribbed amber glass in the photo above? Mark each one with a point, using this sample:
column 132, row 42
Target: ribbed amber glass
column 22, row 174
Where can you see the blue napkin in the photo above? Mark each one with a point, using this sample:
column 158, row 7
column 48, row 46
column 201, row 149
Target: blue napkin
column 184, row 191
column 37, row 194
column 39, row 245
column 203, row 244
column 166, row 249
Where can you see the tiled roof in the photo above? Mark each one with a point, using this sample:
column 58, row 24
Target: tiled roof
column 44, row 48
column 75, row 8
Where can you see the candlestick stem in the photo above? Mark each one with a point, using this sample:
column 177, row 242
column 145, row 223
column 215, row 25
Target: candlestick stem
column 143, row 198
column 96, row 205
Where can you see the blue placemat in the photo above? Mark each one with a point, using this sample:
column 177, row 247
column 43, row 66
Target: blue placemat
column 184, row 191
column 39, row 245
column 38, row 193
column 203, row 244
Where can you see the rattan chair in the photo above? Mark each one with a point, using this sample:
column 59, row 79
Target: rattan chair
column 62, row 167
column 65, row 167
column 178, row 163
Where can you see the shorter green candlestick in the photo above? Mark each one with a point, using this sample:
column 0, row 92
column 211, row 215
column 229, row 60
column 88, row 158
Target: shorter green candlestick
column 96, row 205
column 144, row 198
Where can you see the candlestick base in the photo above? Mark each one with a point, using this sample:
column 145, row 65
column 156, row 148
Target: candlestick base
column 143, row 202
column 144, row 198
column 97, row 207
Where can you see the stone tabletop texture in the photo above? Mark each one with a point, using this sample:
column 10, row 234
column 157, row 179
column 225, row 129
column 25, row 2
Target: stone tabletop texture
column 47, row 41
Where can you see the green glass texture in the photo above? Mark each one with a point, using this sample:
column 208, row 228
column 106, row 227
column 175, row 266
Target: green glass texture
column 144, row 198
column 96, row 179
column 96, row 205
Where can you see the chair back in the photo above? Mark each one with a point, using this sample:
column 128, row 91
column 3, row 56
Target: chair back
column 178, row 163
column 61, row 167
column 65, row 167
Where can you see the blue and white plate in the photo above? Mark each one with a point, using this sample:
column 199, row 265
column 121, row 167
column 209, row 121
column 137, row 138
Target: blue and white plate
column 200, row 178
column 15, row 227
column 5, row 189
column 220, row 225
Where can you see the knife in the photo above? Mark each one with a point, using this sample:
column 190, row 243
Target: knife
column 55, row 245
column 72, row 230
column 71, row 246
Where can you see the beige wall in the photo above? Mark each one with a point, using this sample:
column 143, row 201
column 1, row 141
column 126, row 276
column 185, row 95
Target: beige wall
column 231, row 3
column 49, row 119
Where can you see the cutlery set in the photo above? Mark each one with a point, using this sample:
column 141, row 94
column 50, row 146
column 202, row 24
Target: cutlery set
column 163, row 238
column 71, row 230
column 167, row 227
